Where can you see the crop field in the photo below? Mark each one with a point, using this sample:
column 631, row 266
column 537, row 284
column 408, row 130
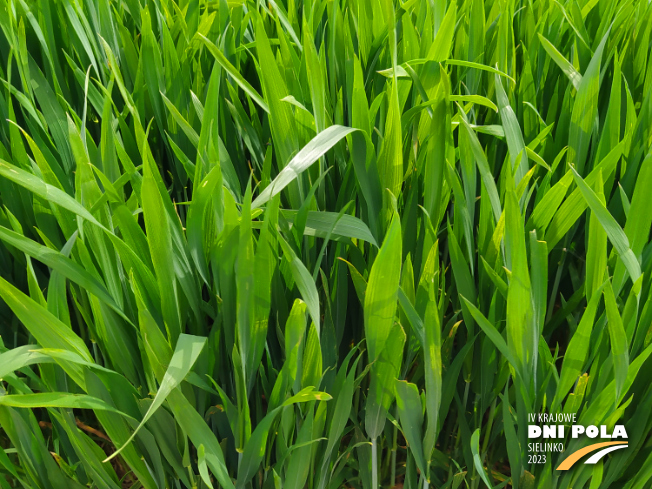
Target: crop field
column 357, row 244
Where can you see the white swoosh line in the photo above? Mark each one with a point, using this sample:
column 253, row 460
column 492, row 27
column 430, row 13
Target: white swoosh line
column 595, row 458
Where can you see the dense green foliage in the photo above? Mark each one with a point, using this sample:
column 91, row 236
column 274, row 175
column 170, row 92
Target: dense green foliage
column 321, row 244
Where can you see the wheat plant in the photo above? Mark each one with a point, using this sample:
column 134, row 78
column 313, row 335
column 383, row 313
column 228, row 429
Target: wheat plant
column 322, row 244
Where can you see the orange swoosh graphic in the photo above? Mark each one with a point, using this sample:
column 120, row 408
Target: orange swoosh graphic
column 575, row 456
